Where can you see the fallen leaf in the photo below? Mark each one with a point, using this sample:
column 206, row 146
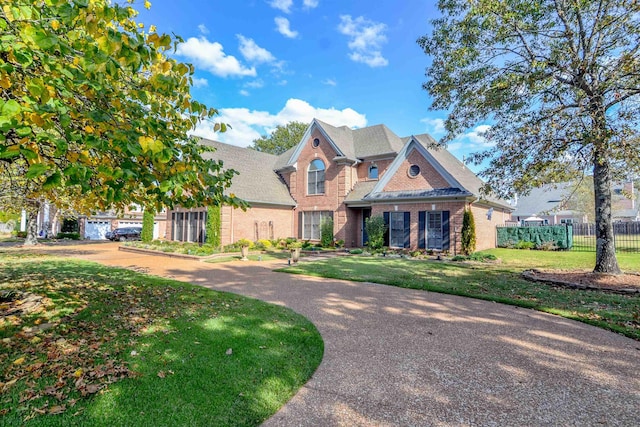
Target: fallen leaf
column 78, row 373
column 19, row 361
column 161, row 374
column 57, row 409
column 229, row 352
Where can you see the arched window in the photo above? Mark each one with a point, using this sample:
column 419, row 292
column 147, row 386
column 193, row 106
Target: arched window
column 373, row 172
column 315, row 177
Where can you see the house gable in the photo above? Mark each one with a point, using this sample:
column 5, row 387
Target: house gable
column 431, row 174
column 315, row 130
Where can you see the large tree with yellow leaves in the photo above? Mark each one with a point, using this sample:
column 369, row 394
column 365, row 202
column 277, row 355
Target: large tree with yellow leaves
column 95, row 115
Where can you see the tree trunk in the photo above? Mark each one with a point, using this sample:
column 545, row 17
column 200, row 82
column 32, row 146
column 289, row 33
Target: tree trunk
column 606, row 261
column 32, row 224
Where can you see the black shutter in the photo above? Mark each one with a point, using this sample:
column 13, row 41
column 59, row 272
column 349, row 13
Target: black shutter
column 385, row 215
column 445, row 230
column 407, row 230
column 300, row 225
column 422, row 216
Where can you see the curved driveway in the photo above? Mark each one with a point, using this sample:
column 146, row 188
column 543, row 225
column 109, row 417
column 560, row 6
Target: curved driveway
column 404, row 357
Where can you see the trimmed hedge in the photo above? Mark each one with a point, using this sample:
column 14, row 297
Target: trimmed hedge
column 541, row 236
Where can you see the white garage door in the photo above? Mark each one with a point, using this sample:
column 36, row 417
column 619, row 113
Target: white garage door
column 95, row 230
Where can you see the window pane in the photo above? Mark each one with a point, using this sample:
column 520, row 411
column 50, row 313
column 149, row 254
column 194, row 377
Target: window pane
column 396, row 229
column 373, row 172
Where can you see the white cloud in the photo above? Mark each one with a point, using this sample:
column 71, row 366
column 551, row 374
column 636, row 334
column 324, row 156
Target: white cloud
column 200, row 82
column 252, row 52
column 247, row 125
column 282, row 83
column 282, row 25
column 210, row 56
column 329, row 82
column 283, row 5
column 434, row 126
column 256, row 84
column 366, row 40
column 310, row 4
column 203, row 29
column 471, row 141
column 244, row 92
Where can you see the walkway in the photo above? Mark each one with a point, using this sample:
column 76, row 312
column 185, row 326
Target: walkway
column 404, row 357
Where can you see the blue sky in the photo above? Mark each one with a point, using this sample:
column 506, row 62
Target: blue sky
column 264, row 63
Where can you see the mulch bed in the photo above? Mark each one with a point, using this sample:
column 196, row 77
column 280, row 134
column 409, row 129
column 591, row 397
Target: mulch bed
column 579, row 279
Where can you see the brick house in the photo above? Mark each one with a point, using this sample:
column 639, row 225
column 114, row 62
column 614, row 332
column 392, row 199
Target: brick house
column 350, row 175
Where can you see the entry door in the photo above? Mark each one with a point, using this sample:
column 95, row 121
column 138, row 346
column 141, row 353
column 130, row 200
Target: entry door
column 366, row 213
column 434, row 230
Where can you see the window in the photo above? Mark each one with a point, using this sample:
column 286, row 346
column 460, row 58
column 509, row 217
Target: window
column 315, row 177
column 396, row 230
column 189, row 226
column 373, row 172
column 315, row 143
column 311, row 224
column 566, row 221
column 414, row 170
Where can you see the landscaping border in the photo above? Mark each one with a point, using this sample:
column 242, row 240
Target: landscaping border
column 531, row 275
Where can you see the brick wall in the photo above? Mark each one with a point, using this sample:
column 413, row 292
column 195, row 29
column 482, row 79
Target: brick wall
column 428, row 178
column 363, row 168
column 264, row 222
column 485, row 227
column 455, row 208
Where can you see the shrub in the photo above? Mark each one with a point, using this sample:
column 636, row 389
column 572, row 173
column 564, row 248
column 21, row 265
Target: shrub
column 547, row 246
column 356, row 251
column 147, row 225
column 263, row 244
column 213, row 225
column 72, row 236
column 468, row 238
column 340, row 243
column 376, row 228
column 523, row 244
column 21, row 234
column 304, row 245
column 296, row 244
column 326, row 232
column 244, row 243
column 482, row 257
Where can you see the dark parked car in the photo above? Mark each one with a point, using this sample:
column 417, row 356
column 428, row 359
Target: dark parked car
column 125, row 233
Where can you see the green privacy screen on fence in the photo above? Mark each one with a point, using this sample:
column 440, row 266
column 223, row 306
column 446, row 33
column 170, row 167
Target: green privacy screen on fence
column 560, row 235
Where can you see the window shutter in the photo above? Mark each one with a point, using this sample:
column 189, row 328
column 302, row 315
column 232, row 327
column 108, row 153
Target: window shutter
column 407, row 230
column 385, row 216
column 300, row 225
column 445, row 231
column 422, row 217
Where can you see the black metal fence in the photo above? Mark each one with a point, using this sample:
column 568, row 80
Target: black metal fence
column 626, row 234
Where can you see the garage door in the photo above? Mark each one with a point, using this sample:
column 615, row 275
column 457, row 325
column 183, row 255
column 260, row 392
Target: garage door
column 95, row 230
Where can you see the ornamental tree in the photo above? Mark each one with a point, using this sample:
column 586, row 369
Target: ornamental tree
column 93, row 111
column 558, row 80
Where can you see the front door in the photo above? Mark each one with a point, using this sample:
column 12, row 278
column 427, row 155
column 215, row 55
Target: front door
column 434, row 230
column 366, row 213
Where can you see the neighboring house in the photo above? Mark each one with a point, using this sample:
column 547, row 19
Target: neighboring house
column 95, row 226
column 624, row 204
column 549, row 205
column 350, row 175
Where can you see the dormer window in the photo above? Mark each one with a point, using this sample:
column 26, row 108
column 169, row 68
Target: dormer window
column 373, row 172
column 315, row 177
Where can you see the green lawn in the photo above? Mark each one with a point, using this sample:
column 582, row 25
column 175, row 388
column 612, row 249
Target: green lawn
column 101, row 346
column 500, row 282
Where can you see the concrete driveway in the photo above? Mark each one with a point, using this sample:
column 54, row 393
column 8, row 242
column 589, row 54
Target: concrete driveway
column 403, row 357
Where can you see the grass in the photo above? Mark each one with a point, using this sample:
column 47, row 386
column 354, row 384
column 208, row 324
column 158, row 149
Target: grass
column 500, row 282
column 107, row 347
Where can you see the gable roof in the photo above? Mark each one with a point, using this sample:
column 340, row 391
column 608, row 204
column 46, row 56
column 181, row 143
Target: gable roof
column 461, row 180
column 542, row 200
column 352, row 144
column 256, row 182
